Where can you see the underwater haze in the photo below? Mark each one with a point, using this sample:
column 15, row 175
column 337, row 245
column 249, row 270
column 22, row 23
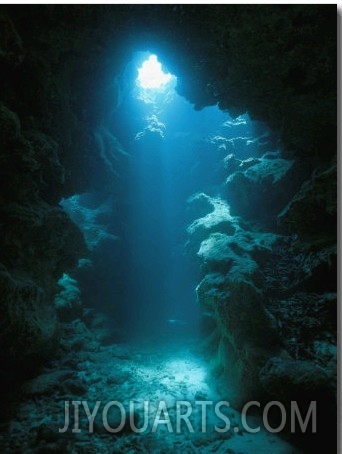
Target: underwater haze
column 168, row 214
column 174, row 152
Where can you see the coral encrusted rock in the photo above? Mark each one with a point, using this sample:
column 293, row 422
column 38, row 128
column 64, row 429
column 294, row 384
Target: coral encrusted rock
column 214, row 216
column 246, row 328
column 256, row 190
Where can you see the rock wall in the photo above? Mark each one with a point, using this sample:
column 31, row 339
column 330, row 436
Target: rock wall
column 272, row 294
column 54, row 144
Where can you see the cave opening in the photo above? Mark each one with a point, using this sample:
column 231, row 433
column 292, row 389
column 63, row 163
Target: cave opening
column 151, row 74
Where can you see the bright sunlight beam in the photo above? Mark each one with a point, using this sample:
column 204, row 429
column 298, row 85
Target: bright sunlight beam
column 151, row 75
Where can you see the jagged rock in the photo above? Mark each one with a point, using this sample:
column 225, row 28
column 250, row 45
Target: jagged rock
column 93, row 221
column 222, row 240
column 244, row 74
column 232, row 164
column 244, row 322
column 242, row 143
column 28, row 323
column 68, row 301
column 247, row 331
column 42, row 242
column 35, row 155
column 243, row 317
column 236, row 253
column 256, row 191
column 217, row 219
column 218, row 255
column 97, row 217
column 111, row 153
column 76, row 337
column 270, row 167
column 305, row 318
column 297, row 266
column 211, row 291
column 200, row 205
column 312, row 211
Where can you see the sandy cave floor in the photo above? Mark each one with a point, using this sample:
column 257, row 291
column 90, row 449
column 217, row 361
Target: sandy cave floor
column 170, row 370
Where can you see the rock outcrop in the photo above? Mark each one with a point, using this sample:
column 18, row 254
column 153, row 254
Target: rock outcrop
column 256, row 189
column 271, row 294
column 232, row 293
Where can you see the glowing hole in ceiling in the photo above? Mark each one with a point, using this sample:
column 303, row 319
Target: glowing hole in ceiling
column 151, row 75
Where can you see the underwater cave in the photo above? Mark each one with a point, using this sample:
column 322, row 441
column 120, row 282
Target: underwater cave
column 168, row 228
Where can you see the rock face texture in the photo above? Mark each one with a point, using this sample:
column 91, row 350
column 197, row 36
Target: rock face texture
column 50, row 149
column 270, row 295
column 266, row 243
column 39, row 242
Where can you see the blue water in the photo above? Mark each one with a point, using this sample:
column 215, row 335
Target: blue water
column 174, row 154
column 141, row 274
column 138, row 284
